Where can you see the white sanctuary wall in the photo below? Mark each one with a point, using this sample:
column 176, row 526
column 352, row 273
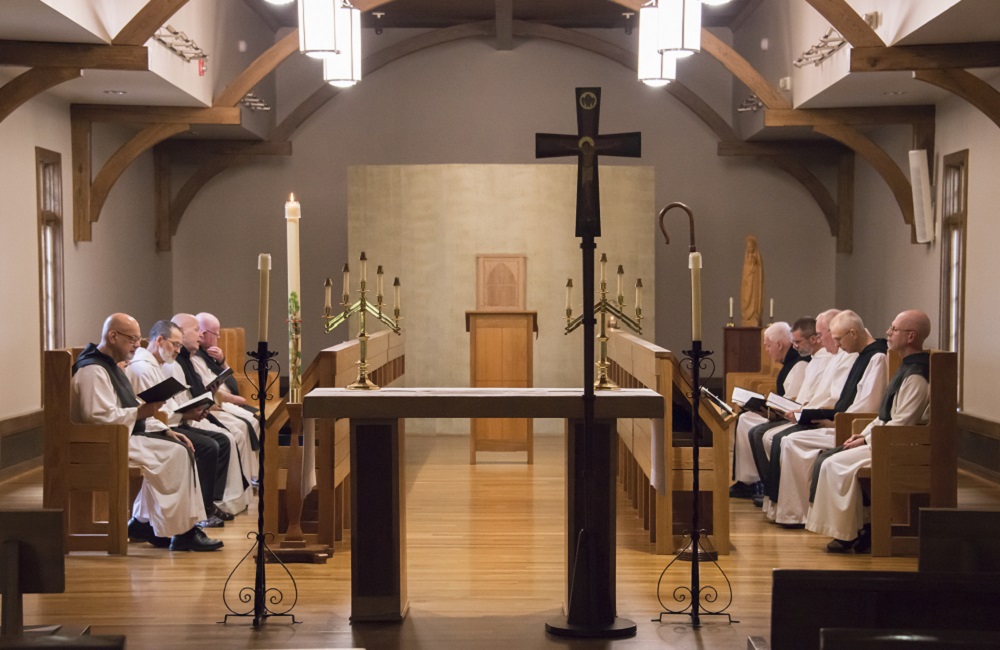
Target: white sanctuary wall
column 467, row 103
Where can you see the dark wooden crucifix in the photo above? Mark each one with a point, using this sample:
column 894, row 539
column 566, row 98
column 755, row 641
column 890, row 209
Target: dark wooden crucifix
column 591, row 448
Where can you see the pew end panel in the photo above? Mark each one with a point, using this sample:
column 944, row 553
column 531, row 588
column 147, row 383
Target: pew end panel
column 636, row 363
column 915, row 466
column 86, row 472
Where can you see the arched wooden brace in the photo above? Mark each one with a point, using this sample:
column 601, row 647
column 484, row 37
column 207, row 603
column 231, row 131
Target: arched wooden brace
column 894, row 177
column 967, row 86
column 29, row 84
column 146, row 21
column 258, row 69
column 121, row 159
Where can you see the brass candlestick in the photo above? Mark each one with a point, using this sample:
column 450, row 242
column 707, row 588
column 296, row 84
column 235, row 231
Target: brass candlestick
column 363, row 307
column 603, row 308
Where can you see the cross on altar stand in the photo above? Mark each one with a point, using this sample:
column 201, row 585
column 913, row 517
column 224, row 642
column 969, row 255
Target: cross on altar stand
column 591, row 445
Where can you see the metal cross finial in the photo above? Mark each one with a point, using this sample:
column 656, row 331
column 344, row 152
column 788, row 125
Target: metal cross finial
column 690, row 215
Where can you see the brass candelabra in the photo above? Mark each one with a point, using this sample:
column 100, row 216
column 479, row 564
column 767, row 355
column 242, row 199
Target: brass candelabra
column 362, row 307
column 603, row 308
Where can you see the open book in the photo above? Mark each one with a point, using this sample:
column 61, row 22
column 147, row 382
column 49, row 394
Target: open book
column 204, row 400
column 162, row 391
column 715, row 399
column 782, row 404
column 215, row 383
column 741, row 396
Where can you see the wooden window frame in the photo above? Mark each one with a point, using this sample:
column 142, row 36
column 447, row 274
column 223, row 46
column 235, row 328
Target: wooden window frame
column 954, row 216
column 48, row 216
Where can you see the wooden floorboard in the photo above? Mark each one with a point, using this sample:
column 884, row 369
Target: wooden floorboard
column 486, row 569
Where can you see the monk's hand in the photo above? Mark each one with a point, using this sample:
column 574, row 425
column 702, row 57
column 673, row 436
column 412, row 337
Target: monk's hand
column 791, row 416
column 148, row 409
column 181, row 438
column 854, row 441
column 216, row 353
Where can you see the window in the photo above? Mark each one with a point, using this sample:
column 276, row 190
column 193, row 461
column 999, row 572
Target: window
column 48, row 166
column 954, row 195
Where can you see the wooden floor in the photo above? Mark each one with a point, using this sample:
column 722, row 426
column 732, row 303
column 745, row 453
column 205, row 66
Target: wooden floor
column 486, row 569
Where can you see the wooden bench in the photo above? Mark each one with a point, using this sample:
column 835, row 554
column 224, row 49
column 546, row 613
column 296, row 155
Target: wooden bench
column 912, row 466
column 86, row 472
column 232, row 342
column 635, row 363
column 804, row 602
column 334, row 366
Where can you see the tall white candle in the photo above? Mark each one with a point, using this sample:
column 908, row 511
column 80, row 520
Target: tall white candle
column 569, row 293
column 328, row 294
column 347, row 282
column 379, row 286
column 694, row 263
column 771, row 313
column 638, row 294
column 293, row 213
column 730, row 306
column 604, row 268
column 621, row 283
column 395, row 294
column 264, row 266
column 364, row 267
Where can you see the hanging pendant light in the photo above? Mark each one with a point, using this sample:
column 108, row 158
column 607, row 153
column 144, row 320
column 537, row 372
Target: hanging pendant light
column 680, row 27
column 342, row 68
column 318, row 27
column 655, row 68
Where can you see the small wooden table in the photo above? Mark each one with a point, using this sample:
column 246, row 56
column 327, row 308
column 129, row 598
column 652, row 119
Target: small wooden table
column 378, row 511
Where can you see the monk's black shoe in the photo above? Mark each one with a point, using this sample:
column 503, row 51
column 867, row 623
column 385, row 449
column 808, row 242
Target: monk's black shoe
column 142, row 531
column 841, row 546
column 740, row 490
column 863, row 544
column 222, row 514
column 194, row 540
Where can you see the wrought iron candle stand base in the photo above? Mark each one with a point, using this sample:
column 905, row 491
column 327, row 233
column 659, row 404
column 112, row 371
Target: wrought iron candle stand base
column 260, row 597
column 695, row 551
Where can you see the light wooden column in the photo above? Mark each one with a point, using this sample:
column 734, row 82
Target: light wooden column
column 501, row 357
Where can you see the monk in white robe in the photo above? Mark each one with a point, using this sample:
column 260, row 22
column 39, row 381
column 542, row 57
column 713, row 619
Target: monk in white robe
column 145, row 370
column 169, row 503
column 838, row 508
column 798, row 451
column 778, row 343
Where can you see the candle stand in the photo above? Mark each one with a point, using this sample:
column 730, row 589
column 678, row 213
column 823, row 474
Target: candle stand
column 604, row 308
column 260, row 597
column 362, row 307
column 690, row 596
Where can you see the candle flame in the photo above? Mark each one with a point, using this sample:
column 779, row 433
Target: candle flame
column 291, row 197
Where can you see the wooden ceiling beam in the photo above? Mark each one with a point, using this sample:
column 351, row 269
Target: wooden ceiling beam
column 33, row 54
column 861, row 116
column 846, row 20
column 925, row 57
column 30, row 83
column 146, row 21
column 158, row 114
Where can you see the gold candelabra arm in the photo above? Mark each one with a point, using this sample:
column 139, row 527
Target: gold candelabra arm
column 632, row 324
column 574, row 323
column 338, row 320
column 376, row 311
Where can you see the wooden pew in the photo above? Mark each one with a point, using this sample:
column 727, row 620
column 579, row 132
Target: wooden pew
column 636, row 363
column 912, row 466
column 804, row 602
column 334, row 366
column 86, row 472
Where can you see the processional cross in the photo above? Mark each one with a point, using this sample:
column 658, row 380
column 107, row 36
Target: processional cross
column 591, row 610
